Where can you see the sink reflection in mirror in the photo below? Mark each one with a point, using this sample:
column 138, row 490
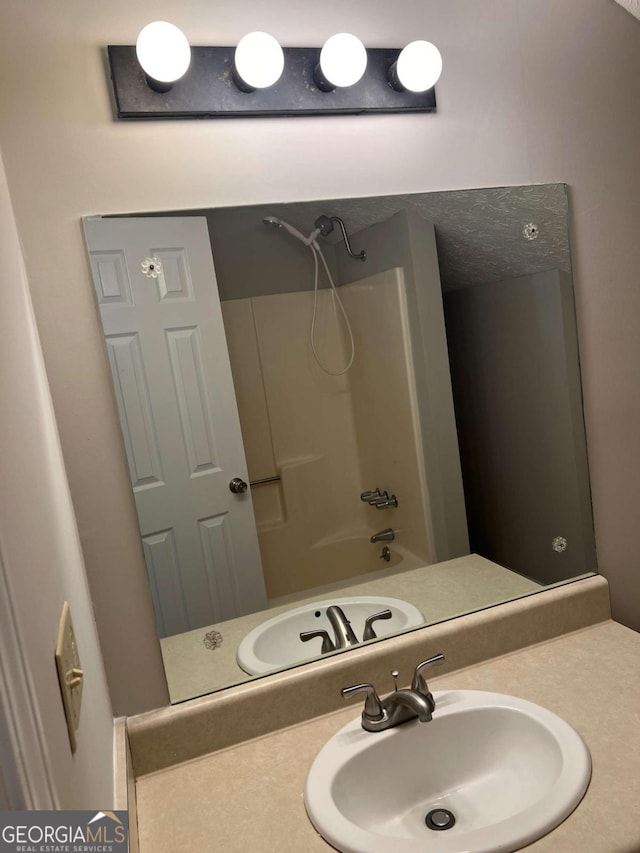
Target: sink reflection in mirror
column 489, row 772
column 277, row 643
column 446, row 465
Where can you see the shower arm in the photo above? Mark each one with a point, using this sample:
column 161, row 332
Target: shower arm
column 325, row 226
column 362, row 256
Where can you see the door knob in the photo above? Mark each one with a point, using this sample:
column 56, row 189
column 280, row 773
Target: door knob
column 238, row 486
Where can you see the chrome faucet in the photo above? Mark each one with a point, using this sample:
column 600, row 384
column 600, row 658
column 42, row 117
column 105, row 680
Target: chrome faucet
column 344, row 633
column 342, row 629
column 386, row 535
column 401, row 705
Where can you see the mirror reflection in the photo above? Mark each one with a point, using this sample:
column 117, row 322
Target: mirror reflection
column 344, row 418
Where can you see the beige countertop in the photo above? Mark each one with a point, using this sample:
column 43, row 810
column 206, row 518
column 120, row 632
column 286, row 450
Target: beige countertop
column 439, row 591
column 248, row 797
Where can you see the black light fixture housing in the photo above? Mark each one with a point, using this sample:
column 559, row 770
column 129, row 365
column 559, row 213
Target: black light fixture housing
column 208, row 89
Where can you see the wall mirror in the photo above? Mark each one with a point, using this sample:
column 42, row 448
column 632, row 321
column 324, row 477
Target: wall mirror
column 327, row 449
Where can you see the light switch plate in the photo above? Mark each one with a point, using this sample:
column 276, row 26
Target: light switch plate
column 70, row 674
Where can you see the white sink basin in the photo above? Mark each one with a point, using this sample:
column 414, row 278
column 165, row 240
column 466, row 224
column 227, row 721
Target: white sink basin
column 276, row 643
column 509, row 771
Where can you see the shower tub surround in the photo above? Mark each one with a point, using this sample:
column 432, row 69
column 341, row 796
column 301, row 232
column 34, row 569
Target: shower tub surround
column 328, row 437
column 195, row 665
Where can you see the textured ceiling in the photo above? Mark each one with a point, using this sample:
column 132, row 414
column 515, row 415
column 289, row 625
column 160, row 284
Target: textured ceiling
column 479, row 232
column 632, row 6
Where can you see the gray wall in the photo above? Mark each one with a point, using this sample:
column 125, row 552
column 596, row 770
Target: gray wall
column 253, row 259
column 530, row 93
column 516, row 382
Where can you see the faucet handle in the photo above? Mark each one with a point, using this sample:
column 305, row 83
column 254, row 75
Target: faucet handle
column 419, row 684
column 372, row 494
column 369, row 633
column 372, row 705
column 385, row 502
column 327, row 645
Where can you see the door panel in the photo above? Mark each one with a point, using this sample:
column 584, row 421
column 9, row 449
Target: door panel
column 132, row 394
column 170, row 367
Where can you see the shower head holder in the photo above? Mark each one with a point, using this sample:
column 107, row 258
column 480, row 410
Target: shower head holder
column 324, row 224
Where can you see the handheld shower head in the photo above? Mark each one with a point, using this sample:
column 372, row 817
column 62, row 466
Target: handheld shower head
column 280, row 223
column 311, row 243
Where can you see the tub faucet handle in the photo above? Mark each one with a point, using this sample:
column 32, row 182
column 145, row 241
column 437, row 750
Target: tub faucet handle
column 385, row 501
column 377, row 499
column 371, row 495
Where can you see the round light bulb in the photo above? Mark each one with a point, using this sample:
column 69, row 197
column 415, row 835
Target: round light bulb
column 419, row 66
column 343, row 60
column 259, row 60
column 163, row 52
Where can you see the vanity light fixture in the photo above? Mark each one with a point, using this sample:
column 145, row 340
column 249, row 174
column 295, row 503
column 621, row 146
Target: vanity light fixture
column 343, row 61
column 258, row 62
column 163, row 77
column 164, row 54
column 418, row 67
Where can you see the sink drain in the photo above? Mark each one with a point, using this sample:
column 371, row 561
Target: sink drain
column 440, row 819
